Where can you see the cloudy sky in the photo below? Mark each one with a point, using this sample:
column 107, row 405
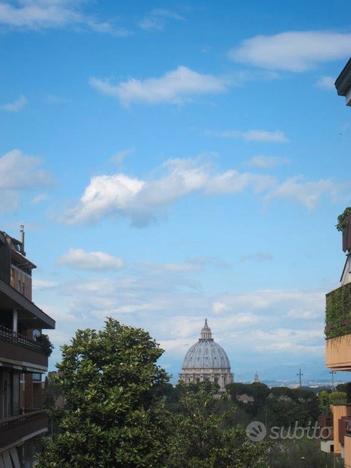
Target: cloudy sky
column 174, row 161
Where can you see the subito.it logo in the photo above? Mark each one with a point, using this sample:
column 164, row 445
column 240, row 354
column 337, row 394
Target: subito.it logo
column 256, row 431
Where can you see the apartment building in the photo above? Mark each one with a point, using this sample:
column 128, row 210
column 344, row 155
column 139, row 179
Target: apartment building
column 338, row 323
column 24, row 353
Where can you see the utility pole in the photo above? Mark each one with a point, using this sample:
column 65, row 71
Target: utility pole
column 333, row 372
column 300, row 374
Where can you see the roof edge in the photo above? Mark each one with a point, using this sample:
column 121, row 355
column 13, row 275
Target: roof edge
column 343, row 81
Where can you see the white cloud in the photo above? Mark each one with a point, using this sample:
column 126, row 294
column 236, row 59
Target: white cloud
column 233, row 181
column 294, row 51
column 144, row 200
column 45, row 14
column 173, row 87
column 157, row 18
column 326, row 82
column 177, row 346
column 264, row 136
column 19, row 173
column 80, row 259
column 281, row 322
column 290, row 340
column 266, row 162
column 271, row 299
column 190, row 265
column 106, row 195
column 41, row 284
column 305, row 192
column 219, row 307
column 15, row 106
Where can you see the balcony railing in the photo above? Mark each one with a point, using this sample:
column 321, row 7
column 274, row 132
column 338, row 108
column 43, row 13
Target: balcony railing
column 21, row 427
column 344, row 428
column 338, row 312
column 17, row 348
column 13, row 337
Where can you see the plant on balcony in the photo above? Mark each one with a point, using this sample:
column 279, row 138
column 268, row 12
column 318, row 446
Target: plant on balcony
column 342, row 219
column 338, row 312
column 338, row 398
column 45, row 344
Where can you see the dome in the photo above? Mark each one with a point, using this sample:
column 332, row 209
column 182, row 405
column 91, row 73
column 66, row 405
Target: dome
column 206, row 353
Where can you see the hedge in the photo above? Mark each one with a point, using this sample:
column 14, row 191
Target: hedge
column 338, row 312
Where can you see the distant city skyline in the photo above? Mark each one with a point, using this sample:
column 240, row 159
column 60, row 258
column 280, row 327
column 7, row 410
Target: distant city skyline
column 181, row 162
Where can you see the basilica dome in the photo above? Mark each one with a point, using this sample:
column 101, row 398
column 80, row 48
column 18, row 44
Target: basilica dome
column 206, row 360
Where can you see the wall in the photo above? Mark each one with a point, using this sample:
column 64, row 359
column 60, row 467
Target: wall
column 338, row 352
column 21, row 281
column 347, row 451
column 338, row 412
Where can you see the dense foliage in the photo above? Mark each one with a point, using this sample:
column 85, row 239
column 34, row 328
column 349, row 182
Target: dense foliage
column 324, row 402
column 338, row 312
column 112, row 417
column 303, row 453
column 117, row 409
column 45, row 343
column 338, row 398
column 343, row 218
column 279, row 406
column 204, row 434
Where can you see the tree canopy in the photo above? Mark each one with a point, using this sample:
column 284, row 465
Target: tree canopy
column 112, row 415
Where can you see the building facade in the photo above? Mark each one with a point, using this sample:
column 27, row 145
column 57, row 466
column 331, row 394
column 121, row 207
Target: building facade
column 338, row 325
column 23, row 357
column 206, row 360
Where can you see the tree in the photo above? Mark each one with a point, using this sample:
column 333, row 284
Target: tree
column 342, row 218
column 346, row 388
column 203, row 438
column 257, row 390
column 324, row 402
column 113, row 415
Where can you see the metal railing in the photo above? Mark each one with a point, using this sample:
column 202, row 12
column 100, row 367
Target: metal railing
column 15, row 429
column 21, row 418
column 6, row 334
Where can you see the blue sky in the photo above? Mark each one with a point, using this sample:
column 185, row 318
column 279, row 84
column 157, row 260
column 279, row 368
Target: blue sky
column 175, row 161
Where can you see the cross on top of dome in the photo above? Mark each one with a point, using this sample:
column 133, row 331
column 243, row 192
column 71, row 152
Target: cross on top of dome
column 206, row 333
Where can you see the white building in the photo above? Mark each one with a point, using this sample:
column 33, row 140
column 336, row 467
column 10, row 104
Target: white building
column 206, row 360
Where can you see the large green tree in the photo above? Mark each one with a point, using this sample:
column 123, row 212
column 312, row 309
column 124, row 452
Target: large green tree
column 113, row 415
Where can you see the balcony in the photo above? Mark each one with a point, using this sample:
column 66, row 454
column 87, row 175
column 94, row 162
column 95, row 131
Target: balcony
column 16, row 349
column 338, row 328
column 17, row 429
column 11, row 299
